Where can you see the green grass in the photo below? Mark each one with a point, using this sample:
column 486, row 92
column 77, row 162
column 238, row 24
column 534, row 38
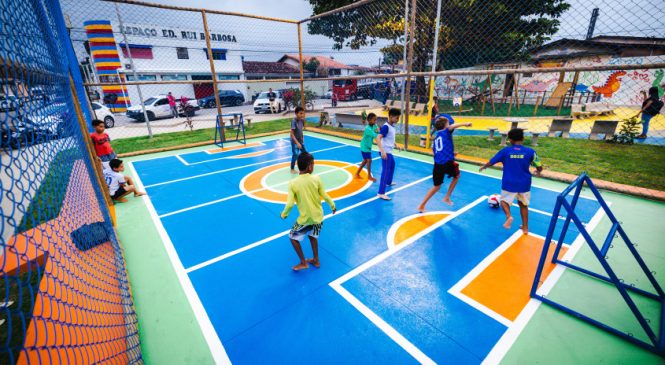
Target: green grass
column 133, row 144
column 501, row 109
column 638, row 165
column 47, row 202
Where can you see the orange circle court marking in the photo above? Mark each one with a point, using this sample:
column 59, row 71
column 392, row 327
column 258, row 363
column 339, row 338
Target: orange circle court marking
column 253, row 184
column 411, row 226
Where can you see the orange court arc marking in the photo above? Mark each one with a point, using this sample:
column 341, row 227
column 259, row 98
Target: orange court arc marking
column 253, row 187
column 505, row 285
column 225, row 149
column 252, row 154
column 415, row 225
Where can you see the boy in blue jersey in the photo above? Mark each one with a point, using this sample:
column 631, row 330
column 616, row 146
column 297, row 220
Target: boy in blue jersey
column 516, row 180
column 444, row 159
column 386, row 142
column 371, row 130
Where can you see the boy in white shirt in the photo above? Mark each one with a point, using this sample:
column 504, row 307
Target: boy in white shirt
column 119, row 185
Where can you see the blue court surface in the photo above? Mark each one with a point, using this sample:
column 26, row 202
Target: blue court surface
column 394, row 286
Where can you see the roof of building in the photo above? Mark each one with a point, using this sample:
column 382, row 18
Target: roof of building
column 601, row 45
column 255, row 67
column 325, row 62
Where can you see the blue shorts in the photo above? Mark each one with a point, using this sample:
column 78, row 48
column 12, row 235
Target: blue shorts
column 366, row 155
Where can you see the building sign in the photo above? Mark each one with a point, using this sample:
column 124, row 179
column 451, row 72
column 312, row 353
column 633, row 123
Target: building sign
column 174, row 33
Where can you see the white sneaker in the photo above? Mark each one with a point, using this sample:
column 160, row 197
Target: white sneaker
column 392, row 184
column 384, row 197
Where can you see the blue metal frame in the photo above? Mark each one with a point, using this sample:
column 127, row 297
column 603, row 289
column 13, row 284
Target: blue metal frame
column 657, row 344
column 219, row 124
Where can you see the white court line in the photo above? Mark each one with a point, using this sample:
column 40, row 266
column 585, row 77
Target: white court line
column 461, row 169
column 182, row 160
column 244, row 192
column 234, row 168
column 214, row 343
column 373, row 317
column 284, row 233
column 400, row 340
column 508, row 339
column 393, row 229
column 259, row 142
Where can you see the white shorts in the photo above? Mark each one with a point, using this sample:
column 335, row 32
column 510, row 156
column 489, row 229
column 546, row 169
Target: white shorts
column 508, row 197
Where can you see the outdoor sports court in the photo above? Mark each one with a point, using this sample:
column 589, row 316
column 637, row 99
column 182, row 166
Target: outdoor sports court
column 395, row 286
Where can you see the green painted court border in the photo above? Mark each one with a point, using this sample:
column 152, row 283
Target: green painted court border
column 549, row 337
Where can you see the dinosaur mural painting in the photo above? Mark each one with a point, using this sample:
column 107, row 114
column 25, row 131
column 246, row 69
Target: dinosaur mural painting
column 537, row 85
column 658, row 81
column 611, row 85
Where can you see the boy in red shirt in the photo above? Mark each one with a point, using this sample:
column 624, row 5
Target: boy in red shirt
column 102, row 143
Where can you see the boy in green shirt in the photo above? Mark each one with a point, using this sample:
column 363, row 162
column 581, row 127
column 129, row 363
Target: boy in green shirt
column 371, row 131
column 306, row 190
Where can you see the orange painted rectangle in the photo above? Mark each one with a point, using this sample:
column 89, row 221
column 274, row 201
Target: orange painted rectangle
column 505, row 285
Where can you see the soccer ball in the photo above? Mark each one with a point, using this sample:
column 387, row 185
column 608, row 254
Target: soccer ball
column 494, row 200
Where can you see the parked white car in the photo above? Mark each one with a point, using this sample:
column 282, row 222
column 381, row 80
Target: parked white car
column 262, row 103
column 104, row 114
column 158, row 107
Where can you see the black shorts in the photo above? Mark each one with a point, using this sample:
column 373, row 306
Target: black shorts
column 450, row 168
column 119, row 193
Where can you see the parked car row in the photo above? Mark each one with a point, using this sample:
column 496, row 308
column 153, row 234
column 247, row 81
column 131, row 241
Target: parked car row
column 226, row 98
column 22, row 130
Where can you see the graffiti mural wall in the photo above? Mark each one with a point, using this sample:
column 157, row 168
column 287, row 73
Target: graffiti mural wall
column 618, row 87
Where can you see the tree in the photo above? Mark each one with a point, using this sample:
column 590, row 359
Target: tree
column 312, row 65
column 470, row 33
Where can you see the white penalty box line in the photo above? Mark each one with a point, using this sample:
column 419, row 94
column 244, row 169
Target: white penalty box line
column 379, row 322
column 237, row 168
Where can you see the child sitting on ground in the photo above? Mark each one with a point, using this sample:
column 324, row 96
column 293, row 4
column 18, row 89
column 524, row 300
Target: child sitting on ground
column 306, row 190
column 516, row 180
column 119, row 185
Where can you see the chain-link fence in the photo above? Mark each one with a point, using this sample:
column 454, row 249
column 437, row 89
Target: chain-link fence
column 65, row 292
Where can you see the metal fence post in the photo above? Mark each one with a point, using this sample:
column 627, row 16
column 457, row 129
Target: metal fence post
column 136, row 77
column 408, row 74
column 302, row 71
column 214, row 74
column 406, row 37
column 433, row 78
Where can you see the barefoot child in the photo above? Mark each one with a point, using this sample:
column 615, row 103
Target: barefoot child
column 444, row 159
column 370, row 133
column 119, row 185
column 306, row 190
column 516, row 180
column 386, row 142
column 297, row 138
column 102, row 143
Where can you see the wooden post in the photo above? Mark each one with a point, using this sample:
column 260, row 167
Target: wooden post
column 99, row 177
column 482, row 109
column 535, row 109
column 212, row 69
column 489, row 78
column 517, row 92
column 302, row 71
column 562, row 76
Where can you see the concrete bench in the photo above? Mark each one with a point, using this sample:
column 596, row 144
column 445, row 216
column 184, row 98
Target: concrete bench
column 605, row 127
column 560, row 125
column 534, row 139
column 492, row 130
column 504, row 136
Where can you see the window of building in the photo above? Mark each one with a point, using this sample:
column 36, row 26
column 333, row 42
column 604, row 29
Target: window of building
column 228, row 77
column 182, row 52
column 334, row 72
column 174, row 77
column 217, row 54
column 143, row 78
column 137, row 51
